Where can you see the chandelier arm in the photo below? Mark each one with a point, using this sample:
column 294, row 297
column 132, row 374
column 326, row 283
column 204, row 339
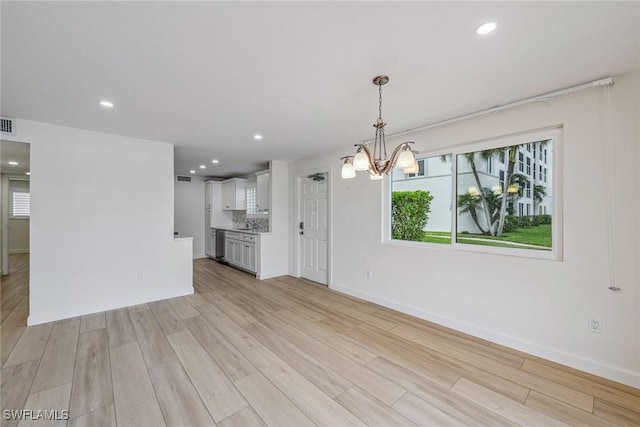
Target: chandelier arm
column 394, row 156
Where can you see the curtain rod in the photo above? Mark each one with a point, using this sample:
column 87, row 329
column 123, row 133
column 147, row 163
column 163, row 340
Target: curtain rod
column 545, row 97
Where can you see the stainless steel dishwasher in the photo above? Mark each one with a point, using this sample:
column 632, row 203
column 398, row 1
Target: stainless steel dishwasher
column 219, row 245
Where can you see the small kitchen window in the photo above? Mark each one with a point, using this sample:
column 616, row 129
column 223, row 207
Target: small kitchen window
column 251, row 200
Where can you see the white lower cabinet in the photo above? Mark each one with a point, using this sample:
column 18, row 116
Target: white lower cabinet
column 249, row 256
column 240, row 250
column 210, row 243
column 229, row 253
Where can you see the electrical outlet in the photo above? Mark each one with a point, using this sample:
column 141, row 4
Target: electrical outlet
column 139, row 276
column 595, row 324
column 369, row 274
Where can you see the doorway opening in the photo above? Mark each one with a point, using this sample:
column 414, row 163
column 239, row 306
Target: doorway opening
column 15, row 214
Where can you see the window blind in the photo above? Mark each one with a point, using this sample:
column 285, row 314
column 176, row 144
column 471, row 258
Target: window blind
column 20, row 204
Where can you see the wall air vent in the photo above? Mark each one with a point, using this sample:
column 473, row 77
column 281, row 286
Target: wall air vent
column 7, row 126
column 183, row 178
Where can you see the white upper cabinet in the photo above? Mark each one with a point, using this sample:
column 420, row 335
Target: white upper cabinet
column 234, row 194
column 208, row 191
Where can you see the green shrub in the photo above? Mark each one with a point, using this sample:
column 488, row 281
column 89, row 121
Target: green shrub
column 545, row 219
column 510, row 223
column 524, row 221
column 409, row 214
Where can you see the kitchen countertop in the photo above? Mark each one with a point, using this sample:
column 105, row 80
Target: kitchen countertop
column 238, row 230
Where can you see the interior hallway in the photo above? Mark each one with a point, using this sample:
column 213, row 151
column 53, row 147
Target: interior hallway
column 281, row 352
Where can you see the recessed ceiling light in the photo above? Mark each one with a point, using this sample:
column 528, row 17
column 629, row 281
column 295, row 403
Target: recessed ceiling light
column 215, row 161
column 28, row 173
column 257, row 136
column 202, row 166
column 486, row 28
column 13, row 163
column 107, row 104
column 192, row 171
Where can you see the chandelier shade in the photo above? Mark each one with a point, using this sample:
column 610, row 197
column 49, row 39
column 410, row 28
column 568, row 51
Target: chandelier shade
column 348, row 171
column 361, row 161
column 376, row 162
column 414, row 168
column 405, row 159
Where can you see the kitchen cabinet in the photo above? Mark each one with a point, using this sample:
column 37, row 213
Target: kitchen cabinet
column 229, row 253
column 208, row 191
column 262, row 203
column 234, row 194
column 241, row 250
column 249, row 256
column 210, row 243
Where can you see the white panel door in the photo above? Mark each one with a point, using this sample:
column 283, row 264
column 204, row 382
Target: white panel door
column 314, row 228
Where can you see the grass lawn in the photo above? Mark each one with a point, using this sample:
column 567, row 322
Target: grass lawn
column 437, row 237
column 539, row 236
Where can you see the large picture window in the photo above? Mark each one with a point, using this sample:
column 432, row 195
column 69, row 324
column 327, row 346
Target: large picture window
column 476, row 203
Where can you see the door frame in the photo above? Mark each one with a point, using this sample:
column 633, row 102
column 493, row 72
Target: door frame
column 298, row 177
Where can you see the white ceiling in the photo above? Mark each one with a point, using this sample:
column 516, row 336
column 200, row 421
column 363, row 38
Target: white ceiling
column 207, row 76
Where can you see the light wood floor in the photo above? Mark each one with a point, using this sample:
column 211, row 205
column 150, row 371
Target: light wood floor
column 282, row 352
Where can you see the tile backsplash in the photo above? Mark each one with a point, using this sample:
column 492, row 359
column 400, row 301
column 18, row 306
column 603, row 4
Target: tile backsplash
column 240, row 220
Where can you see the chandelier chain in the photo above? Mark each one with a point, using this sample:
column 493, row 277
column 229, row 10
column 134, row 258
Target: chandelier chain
column 380, row 103
column 380, row 142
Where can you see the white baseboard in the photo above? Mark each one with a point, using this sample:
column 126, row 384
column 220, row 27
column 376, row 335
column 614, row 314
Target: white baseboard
column 199, row 256
column 263, row 275
column 614, row 373
column 39, row 318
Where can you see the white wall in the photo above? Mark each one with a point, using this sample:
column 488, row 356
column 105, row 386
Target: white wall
column 272, row 258
column 18, row 230
column 545, row 310
column 18, row 236
column 189, row 212
column 101, row 213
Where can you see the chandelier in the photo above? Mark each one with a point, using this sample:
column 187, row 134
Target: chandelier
column 376, row 162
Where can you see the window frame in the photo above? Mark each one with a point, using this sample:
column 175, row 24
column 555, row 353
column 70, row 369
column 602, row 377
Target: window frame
column 556, row 252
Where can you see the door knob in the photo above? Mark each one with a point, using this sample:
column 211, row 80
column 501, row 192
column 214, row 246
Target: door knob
column 302, row 232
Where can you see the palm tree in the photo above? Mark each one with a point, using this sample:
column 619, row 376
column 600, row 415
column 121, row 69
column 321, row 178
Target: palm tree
column 471, row 203
column 519, row 180
column 539, row 191
column 511, row 155
column 470, row 158
column 493, row 199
